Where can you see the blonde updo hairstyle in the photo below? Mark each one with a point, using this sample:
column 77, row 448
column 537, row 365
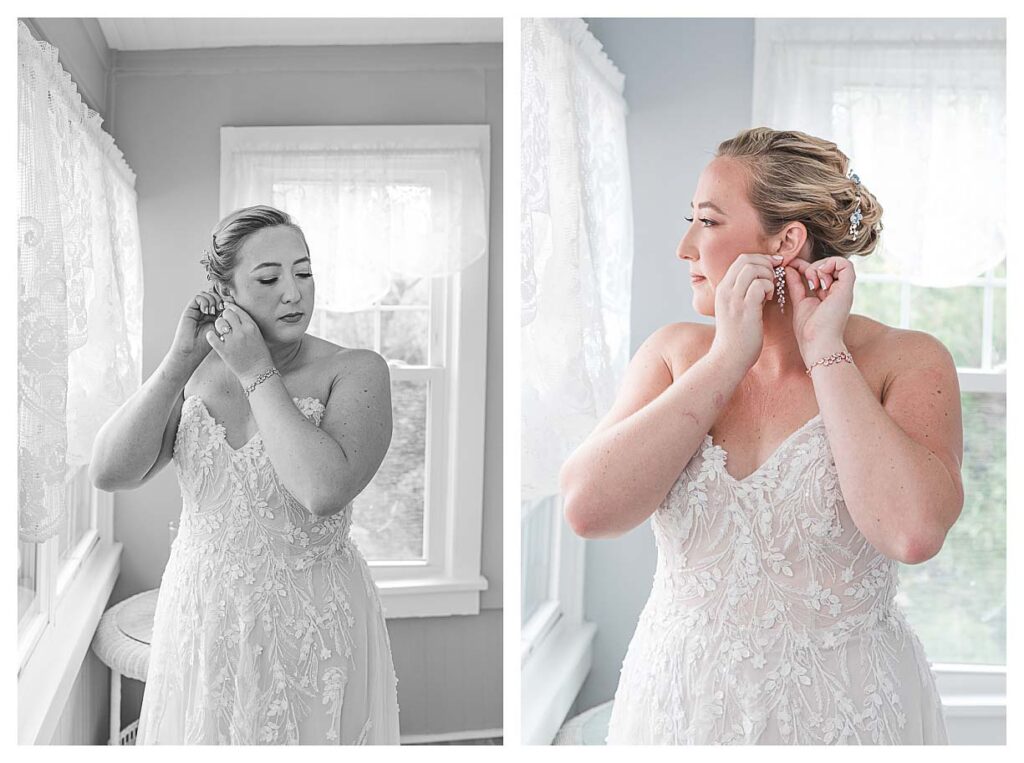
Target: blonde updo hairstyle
column 795, row 177
column 230, row 233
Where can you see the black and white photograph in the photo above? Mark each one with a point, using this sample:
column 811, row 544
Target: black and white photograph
column 259, row 381
column 764, row 381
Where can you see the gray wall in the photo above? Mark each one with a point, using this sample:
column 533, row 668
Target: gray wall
column 688, row 85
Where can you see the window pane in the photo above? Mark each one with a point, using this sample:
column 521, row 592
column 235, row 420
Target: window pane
column 535, row 557
column 880, row 301
column 408, row 291
column 387, row 520
column 954, row 316
column 1000, row 271
column 78, row 518
column 28, row 580
column 403, row 335
column 957, row 600
column 346, row 329
column 998, row 325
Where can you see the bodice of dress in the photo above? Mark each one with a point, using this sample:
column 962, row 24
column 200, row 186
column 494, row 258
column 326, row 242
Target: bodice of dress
column 233, row 499
column 771, row 618
column 776, row 551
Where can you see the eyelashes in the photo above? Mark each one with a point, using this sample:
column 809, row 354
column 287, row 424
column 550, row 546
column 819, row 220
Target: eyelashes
column 269, row 281
column 707, row 223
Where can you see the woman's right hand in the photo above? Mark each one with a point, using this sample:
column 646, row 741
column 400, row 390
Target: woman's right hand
column 739, row 308
column 190, row 346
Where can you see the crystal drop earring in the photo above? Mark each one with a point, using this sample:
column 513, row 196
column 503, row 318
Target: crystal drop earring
column 780, row 283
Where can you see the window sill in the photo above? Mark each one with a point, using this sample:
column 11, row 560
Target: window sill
column 431, row 597
column 46, row 679
column 553, row 676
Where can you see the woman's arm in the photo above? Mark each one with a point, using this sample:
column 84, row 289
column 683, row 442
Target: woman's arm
column 325, row 467
column 137, row 441
column 898, row 461
column 621, row 473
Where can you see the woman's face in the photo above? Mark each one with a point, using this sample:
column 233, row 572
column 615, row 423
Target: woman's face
column 272, row 281
column 724, row 226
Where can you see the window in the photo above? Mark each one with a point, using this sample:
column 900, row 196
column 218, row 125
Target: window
column 362, row 194
column 957, row 600
column 47, row 570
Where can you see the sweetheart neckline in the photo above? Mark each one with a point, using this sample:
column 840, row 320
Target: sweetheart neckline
column 709, row 440
column 224, row 432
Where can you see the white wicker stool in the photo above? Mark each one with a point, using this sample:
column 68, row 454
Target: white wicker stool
column 122, row 643
column 589, row 727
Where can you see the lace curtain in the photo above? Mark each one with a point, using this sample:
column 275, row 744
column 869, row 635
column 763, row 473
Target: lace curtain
column 919, row 106
column 381, row 202
column 577, row 243
column 79, row 284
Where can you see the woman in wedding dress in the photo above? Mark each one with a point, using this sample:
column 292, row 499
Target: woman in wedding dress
column 268, row 627
column 788, row 457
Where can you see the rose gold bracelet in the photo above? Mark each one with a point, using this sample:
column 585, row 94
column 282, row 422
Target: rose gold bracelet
column 835, row 357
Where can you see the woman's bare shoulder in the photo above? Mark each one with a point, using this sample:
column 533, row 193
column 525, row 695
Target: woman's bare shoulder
column 893, row 351
column 682, row 344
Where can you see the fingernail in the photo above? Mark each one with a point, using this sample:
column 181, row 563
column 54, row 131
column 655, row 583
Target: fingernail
column 777, row 257
column 812, row 286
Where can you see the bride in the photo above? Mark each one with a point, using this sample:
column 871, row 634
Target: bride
column 788, row 457
column 268, row 626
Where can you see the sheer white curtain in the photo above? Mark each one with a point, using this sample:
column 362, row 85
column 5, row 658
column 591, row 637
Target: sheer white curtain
column 919, row 105
column 79, row 284
column 577, row 243
column 375, row 203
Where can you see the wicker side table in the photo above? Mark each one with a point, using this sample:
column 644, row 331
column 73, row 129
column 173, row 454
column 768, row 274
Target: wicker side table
column 589, row 727
column 122, row 643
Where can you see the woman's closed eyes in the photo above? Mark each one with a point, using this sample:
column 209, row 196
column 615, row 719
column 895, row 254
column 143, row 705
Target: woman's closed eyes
column 268, row 281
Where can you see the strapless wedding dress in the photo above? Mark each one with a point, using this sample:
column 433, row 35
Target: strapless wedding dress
column 771, row 619
column 268, row 628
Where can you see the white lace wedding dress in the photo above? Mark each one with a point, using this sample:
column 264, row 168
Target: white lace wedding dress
column 771, row 619
column 268, row 626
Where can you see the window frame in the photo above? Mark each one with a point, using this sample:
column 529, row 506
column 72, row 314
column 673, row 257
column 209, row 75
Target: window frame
column 448, row 581
column 53, row 643
column 556, row 644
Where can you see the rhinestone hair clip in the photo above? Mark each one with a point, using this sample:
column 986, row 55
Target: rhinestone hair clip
column 857, row 215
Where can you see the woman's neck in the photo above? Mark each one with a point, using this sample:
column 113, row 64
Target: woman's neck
column 284, row 355
column 780, row 353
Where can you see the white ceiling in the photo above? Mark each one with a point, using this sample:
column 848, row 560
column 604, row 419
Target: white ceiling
column 172, row 34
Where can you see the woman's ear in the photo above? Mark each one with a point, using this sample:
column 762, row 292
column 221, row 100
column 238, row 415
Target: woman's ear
column 791, row 240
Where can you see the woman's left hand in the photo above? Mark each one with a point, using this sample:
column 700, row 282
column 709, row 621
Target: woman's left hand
column 820, row 313
column 239, row 342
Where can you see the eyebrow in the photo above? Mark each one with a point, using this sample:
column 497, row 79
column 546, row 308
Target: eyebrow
column 710, row 204
column 277, row 264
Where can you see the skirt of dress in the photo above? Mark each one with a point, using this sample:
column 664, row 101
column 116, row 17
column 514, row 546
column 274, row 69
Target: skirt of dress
column 240, row 657
column 702, row 688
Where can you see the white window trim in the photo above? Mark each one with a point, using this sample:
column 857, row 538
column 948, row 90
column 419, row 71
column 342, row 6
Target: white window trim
column 449, row 580
column 557, row 644
column 52, row 649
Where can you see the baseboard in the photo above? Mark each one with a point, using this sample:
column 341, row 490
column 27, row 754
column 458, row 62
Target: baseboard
column 452, row 736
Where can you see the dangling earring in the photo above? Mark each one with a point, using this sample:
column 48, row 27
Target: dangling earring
column 780, row 283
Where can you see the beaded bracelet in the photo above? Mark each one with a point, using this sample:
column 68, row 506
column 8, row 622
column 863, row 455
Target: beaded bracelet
column 264, row 375
column 835, row 357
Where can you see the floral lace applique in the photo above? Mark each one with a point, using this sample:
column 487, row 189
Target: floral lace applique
column 771, row 618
